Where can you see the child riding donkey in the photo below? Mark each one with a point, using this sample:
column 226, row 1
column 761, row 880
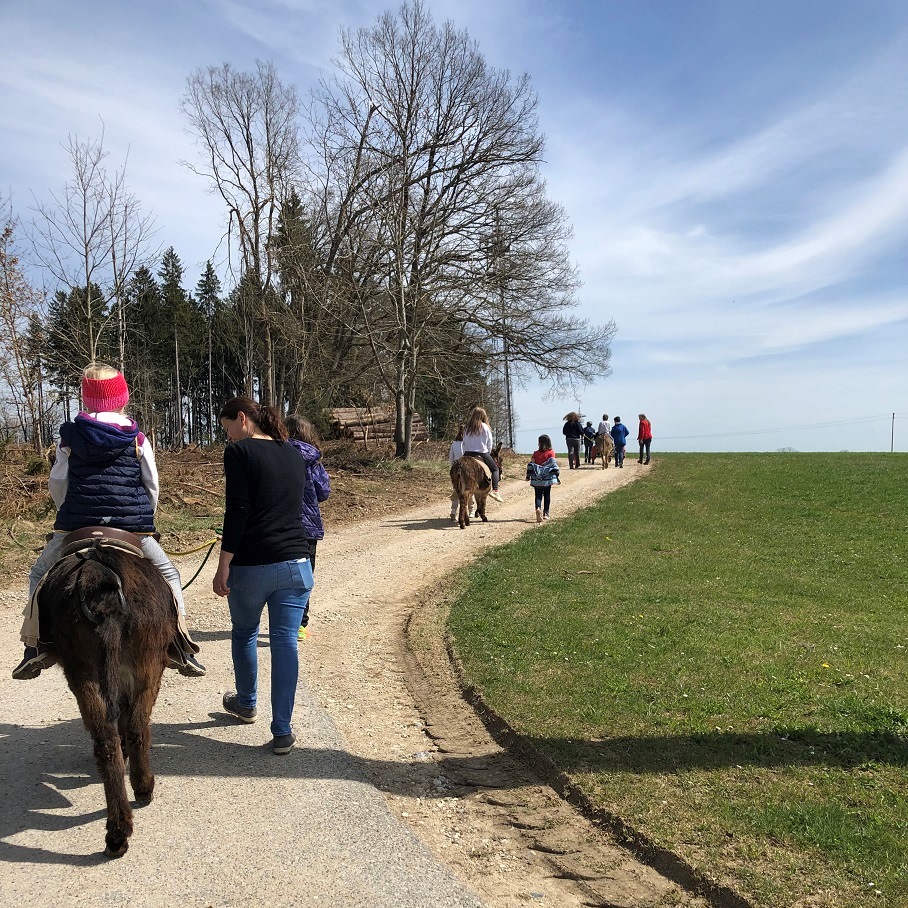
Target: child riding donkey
column 104, row 475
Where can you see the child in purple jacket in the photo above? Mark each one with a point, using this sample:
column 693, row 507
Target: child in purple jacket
column 304, row 438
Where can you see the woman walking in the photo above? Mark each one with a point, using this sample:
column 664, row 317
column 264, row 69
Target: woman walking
column 264, row 559
column 572, row 432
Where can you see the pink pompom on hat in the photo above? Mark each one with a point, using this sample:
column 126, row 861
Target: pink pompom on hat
column 104, row 395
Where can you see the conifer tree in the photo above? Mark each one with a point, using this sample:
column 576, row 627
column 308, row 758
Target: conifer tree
column 208, row 300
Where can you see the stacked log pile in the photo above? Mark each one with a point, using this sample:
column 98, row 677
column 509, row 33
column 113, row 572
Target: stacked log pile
column 372, row 424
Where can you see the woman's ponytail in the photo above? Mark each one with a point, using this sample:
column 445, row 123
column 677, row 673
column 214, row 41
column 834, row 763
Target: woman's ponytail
column 265, row 417
column 271, row 423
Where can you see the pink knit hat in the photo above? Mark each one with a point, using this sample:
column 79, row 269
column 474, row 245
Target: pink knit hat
column 104, row 395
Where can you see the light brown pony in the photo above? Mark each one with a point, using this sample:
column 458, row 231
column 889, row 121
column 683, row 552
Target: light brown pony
column 111, row 617
column 604, row 449
column 468, row 477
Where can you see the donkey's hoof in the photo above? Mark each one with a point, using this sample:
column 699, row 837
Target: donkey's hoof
column 143, row 789
column 144, row 798
column 116, row 847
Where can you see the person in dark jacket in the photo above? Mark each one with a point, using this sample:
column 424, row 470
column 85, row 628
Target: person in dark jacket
column 573, row 432
column 264, row 559
column 619, row 435
column 304, row 437
column 104, row 474
column 589, row 439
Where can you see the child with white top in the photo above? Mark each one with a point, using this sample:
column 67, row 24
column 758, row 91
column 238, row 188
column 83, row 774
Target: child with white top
column 477, row 441
column 104, row 475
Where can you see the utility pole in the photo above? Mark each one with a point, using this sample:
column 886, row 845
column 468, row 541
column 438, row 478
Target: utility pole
column 500, row 250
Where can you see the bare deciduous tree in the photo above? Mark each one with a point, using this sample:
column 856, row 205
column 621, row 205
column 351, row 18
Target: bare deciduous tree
column 20, row 304
column 92, row 236
column 429, row 163
column 246, row 127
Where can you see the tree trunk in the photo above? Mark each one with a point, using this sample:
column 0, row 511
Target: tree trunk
column 178, row 423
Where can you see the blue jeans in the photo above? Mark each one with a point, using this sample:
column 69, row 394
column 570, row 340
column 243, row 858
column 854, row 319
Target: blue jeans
column 543, row 498
column 285, row 587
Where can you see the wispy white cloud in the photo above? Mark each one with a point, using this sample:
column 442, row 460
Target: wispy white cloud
column 669, row 267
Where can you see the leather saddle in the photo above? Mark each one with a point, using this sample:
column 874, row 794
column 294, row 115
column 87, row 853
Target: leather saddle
column 111, row 537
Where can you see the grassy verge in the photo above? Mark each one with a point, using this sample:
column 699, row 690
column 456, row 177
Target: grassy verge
column 718, row 655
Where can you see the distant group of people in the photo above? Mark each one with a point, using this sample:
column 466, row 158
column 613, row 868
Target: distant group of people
column 475, row 439
column 543, row 471
column 575, row 433
column 105, row 475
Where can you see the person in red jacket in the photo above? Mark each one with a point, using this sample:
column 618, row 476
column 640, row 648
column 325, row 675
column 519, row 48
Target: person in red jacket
column 644, row 438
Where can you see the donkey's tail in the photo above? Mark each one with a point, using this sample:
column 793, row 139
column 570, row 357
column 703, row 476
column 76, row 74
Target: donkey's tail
column 111, row 633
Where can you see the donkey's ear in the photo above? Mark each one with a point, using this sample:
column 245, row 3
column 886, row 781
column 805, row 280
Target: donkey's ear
column 498, row 448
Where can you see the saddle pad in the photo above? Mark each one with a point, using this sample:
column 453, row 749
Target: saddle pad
column 79, row 545
column 483, row 464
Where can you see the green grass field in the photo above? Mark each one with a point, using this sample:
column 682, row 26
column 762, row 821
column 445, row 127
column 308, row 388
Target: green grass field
column 717, row 654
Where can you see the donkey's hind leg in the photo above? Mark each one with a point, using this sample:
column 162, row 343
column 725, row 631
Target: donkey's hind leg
column 109, row 758
column 463, row 513
column 135, row 724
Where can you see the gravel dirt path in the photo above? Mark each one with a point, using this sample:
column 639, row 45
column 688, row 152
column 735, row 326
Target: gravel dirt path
column 395, row 796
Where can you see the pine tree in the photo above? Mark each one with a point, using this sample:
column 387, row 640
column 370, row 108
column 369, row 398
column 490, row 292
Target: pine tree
column 208, row 300
column 187, row 334
column 147, row 346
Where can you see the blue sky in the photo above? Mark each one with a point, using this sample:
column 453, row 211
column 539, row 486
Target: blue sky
column 736, row 174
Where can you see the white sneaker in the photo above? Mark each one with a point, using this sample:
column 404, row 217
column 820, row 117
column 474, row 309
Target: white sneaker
column 496, row 495
column 538, row 515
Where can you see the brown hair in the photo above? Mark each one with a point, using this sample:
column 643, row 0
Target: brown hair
column 265, row 417
column 459, row 435
column 573, row 416
column 301, row 429
column 477, row 418
column 545, row 443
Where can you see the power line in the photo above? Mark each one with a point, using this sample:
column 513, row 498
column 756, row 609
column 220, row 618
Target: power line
column 816, row 425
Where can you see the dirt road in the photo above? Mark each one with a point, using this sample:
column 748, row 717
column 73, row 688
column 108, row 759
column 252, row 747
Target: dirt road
column 396, row 796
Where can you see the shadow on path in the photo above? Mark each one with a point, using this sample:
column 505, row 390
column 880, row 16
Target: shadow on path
column 59, row 759
column 722, row 750
column 444, row 523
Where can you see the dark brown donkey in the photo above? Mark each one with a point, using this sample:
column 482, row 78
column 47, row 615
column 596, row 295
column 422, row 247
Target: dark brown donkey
column 111, row 617
column 468, row 476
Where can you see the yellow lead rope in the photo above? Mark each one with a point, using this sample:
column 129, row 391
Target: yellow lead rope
column 199, row 548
